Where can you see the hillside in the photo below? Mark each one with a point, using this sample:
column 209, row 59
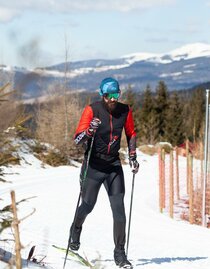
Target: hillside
column 156, row 241
column 182, row 68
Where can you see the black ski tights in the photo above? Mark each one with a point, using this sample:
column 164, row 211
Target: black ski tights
column 115, row 187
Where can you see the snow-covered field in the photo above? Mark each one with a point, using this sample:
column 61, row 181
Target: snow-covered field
column 156, row 241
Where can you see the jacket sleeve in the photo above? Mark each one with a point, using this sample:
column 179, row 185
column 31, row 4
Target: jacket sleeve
column 130, row 134
column 81, row 134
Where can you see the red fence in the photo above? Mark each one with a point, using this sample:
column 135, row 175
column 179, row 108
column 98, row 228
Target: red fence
column 180, row 185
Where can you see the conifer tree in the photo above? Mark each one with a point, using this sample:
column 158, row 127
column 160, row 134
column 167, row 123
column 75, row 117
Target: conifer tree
column 174, row 129
column 131, row 99
column 195, row 116
column 147, row 123
column 161, row 106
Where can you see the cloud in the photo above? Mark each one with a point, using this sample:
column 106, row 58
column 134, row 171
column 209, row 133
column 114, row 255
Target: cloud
column 157, row 40
column 10, row 8
column 117, row 5
column 7, row 14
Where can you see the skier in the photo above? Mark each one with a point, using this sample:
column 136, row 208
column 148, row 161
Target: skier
column 105, row 121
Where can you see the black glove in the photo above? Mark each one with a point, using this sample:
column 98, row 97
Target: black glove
column 94, row 124
column 134, row 163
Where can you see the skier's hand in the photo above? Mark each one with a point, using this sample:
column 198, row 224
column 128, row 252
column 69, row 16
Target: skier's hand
column 94, row 124
column 134, row 163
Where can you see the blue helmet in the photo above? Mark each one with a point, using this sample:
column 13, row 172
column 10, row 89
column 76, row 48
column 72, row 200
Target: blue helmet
column 109, row 85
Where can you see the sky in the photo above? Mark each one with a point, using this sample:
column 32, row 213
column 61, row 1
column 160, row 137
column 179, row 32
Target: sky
column 45, row 32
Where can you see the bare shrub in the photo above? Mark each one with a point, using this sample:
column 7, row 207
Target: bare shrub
column 8, row 112
column 52, row 123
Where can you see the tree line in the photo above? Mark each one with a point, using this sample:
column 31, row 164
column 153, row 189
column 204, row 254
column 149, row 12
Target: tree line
column 172, row 117
column 160, row 115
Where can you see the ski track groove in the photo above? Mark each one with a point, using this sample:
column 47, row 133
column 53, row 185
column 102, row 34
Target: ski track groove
column 156, row 241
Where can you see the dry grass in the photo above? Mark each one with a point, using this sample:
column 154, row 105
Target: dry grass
column 148, row 149
column 151, row 149
column 197, row 208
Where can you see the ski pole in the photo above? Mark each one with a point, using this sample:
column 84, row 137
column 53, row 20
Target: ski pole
column 79, row 198
column 129, row 223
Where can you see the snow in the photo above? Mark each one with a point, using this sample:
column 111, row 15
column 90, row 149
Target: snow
column 156, row 241
column 190, row 51
column 186, row 52
column 139, row 56
column 77, row 72
column 175, row 74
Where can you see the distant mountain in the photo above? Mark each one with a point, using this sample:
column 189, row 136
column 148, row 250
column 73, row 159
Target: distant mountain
column 182, row 68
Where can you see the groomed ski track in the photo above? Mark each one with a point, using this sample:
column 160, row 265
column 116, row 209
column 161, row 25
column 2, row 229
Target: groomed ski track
column 156, row 241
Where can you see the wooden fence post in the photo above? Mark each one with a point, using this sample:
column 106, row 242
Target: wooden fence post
column 15, row 225
column 191, row 214
column 161, row 153
column 201, row 167
column 177, row 175
column 160, row 180
column 163, row 173
column 187, row 159
column 171, row 186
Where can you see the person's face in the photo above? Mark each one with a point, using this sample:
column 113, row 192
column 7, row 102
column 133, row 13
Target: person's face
column 111, row 101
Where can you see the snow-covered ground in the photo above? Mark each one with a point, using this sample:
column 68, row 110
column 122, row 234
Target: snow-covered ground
column 156, row 241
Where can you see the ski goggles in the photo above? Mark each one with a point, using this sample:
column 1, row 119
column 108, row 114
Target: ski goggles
column 115, row 95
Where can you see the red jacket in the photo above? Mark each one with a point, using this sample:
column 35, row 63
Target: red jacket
column 108, row 135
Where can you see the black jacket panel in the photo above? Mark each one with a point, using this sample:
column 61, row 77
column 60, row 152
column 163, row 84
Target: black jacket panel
column 108, row 136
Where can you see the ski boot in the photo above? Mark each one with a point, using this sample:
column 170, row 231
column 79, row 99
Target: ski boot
column 121, row 259
column 75, row 238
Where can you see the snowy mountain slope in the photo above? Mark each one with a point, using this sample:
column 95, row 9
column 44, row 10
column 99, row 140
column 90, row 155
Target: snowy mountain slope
column 183, row 53
column 186, row 52
column 182, row 68
column 156, row 241
column 190, row 51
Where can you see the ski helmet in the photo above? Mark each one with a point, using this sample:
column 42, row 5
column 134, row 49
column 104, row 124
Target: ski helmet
column 109, row 85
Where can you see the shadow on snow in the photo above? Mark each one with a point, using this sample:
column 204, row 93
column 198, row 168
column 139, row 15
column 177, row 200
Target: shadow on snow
column 167, row 260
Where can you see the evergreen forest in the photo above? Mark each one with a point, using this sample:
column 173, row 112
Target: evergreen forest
column 160, row 115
